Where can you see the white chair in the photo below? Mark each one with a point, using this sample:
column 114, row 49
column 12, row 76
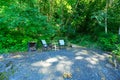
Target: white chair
column 61, row 44
column 46, row 46
column 44, row 43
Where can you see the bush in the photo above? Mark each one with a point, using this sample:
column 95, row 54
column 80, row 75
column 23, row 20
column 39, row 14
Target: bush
column 107, row 41
column 85, row 40
column 117, row 50
column 17, row 30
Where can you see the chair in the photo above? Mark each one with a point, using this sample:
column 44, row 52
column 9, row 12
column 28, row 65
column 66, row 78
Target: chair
column 32, row 46
column 45, row 45
column 61, row 44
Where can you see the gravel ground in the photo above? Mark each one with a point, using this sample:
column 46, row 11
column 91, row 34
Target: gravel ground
column 80, row 63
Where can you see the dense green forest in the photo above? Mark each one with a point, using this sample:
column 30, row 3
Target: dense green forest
column 89, row 23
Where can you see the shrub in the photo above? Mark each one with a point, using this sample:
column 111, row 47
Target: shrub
column 107, row 41
column 117, row 50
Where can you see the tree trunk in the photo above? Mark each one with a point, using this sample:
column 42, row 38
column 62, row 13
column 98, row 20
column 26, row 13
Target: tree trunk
column 106, row 24
column 106, row 17
column 119, row 30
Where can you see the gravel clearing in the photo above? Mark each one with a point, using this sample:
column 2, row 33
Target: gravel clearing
column 81, row 63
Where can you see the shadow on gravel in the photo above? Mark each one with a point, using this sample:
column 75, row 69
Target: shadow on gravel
column 82, row 63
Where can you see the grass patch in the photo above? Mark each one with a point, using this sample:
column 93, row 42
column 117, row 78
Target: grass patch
column 3, row 76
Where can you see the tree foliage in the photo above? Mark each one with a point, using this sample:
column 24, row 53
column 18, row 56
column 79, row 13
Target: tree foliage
column 27, row 20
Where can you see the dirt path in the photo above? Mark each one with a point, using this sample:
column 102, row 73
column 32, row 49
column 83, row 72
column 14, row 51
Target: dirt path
column 80, row 64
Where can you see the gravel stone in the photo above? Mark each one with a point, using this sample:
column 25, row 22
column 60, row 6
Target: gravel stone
column 82, row 63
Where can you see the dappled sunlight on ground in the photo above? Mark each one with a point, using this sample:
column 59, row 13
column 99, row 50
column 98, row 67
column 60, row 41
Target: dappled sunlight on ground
column 90, row 66
column 61, row 65
column 51, row 66
column 83, row 64
column 92, row 61
column 41, row 64
column 62, row 57
column 83, row 52
column 78, row 57
column 51, row 60
column 102, row 58
column 64, row 66
column 17, row 56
